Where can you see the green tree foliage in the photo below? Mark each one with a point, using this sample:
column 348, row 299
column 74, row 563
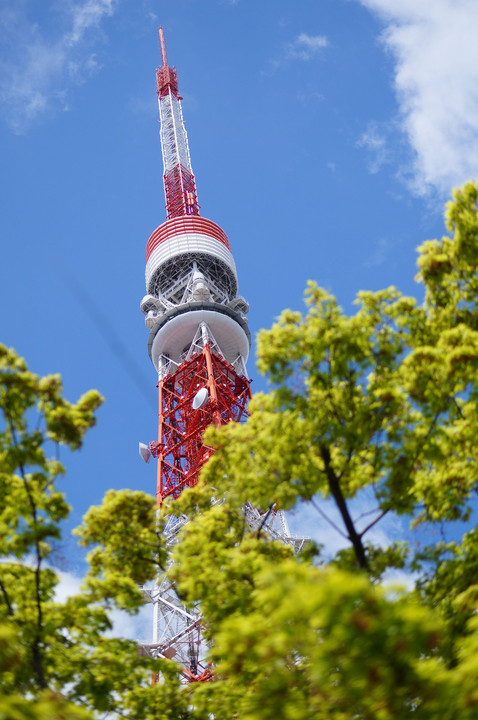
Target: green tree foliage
column 379, row 407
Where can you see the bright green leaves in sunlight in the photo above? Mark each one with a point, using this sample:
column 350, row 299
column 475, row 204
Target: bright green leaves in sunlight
column 127, row 547
column 448, row 267
column 321, row 644
column 31, row 505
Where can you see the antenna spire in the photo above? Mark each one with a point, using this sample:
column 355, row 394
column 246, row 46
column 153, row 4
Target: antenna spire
column 179, row 182
column 166, row 77
column 162, row 44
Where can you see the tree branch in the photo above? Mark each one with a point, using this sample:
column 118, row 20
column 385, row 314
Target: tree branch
column 6, row 599
column 266, row 518
column 374, row 522
column 38, row 637
column 336, row 492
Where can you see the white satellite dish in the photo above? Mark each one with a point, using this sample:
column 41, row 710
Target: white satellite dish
column 145, row 452
column 200, row 398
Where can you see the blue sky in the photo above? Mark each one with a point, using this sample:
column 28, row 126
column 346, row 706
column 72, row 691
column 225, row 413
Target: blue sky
column 324, row 135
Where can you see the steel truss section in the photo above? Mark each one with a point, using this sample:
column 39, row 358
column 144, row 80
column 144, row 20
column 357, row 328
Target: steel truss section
column 178, row 632
column 179, row 182
column 174, row 139
column 181, row 454
column 180, row 449
column 180, row 192
column 273, row 523
column 166, row 81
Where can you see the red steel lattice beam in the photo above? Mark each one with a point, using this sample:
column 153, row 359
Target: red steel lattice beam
column 180, row 449
column 180, row 191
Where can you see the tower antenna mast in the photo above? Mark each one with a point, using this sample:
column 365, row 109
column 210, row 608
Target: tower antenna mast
column 199, row 342
column 178, row 177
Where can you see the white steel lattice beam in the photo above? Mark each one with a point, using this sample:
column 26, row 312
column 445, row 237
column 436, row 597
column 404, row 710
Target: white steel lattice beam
column 174, row 139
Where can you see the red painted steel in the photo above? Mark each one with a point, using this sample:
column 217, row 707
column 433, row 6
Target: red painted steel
column 167, row 81
column 182, row 225
column 162, row 44
column 181, row 452
column 180, row 191
column 206, row 675
column 166, row 77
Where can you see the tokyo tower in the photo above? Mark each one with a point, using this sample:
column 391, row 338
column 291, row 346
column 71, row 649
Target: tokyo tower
column 199, row 343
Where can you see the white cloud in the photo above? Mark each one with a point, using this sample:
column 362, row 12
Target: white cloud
column 375, row 142
column 86, row 15
column 399, row 579
column 303, row 47
column 132, row 627
column 35, row 70
column 68, row 585
column 435, row 49
column 306, row 522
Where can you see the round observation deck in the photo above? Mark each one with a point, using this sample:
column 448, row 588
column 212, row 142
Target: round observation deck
column 176, row 244
column 173, row 335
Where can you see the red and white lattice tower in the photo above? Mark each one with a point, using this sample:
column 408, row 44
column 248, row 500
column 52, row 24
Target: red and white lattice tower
column 199, row 343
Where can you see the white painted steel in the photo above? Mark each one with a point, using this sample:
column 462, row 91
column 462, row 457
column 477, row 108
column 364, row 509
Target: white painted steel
column 177, row 632
column 188, row 243
column 174, row 139
column 178, row 333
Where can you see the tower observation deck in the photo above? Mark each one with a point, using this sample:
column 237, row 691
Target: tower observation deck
column 199, row 343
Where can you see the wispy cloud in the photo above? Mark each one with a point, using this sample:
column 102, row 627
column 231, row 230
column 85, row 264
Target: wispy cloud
column 310, row 97
column 379, row 255
column 375, row 142
column 36, row 71
column 435, row 52
column 303, row 47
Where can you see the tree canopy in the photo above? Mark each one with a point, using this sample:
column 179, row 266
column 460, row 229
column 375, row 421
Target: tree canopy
column 379, row 407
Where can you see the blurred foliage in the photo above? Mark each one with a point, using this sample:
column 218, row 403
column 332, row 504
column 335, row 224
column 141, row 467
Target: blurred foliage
column 377, row 408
